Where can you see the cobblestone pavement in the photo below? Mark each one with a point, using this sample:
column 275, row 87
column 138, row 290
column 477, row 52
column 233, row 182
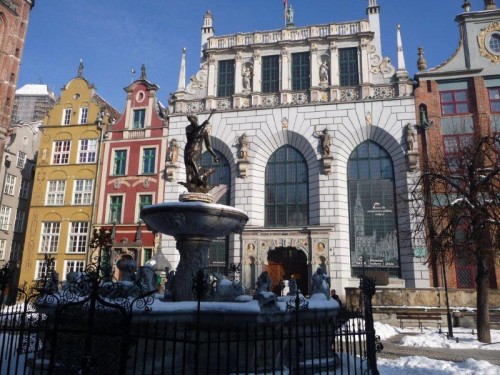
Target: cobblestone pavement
column 393, row 351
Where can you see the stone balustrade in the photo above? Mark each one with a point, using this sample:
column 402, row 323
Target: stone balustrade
column 288, row 34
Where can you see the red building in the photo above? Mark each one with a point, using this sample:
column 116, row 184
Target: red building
column 134, row 150
column 460, row 99
column 14, row 16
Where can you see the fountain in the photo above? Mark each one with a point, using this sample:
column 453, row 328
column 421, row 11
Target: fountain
column 194, row 221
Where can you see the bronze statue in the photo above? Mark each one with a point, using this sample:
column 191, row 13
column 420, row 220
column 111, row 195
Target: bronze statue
column 196, row 177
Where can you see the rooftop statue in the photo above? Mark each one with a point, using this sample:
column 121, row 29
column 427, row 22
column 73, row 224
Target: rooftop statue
column 197, row 135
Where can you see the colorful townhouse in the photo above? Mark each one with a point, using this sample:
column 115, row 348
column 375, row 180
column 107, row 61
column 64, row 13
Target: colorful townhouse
column 134, row 150
column 62, row 203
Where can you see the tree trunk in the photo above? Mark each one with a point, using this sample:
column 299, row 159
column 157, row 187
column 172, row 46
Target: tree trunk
column 483, row 314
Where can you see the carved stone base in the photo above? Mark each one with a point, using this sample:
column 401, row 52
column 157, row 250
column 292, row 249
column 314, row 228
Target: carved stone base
column 327, row 164
column 243, row 167
column 412, row 158
column 194, row 257
column 196, row 197
column 170, row 170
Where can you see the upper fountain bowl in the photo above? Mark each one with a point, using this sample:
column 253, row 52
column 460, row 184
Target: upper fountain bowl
column 194, row 219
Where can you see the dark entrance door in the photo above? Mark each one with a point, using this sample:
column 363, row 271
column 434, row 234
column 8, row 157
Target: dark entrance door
column 285, row 263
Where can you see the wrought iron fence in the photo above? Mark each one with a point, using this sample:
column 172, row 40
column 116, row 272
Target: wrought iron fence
column 94, row 326
column 32, row 343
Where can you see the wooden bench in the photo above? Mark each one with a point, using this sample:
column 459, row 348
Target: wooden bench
column 419, row 317
column 494, row 320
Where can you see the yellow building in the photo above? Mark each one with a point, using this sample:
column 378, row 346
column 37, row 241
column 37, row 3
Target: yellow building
column 62, row 203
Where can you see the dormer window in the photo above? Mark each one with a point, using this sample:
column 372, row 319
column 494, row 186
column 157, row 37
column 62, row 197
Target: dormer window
column 139, row 116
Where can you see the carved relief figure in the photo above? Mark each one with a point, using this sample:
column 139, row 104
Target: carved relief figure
column 324, row 136
column 244, row 146
column 247, row 78
column 173, row 152
column 323, row 72
column 410, row 136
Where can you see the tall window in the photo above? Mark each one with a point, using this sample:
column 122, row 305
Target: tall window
column 300, row 71
column 5, row 217
column 144, row 200
column 24, row 189
column 218, row 253
column 119, row 167
column 454, row 102
column 348, row 67
column 115, row 208
column 10, row 184
column 84, row 115
column 87, row 150
column 42, row 269
column 15, row 250
column 61, row 152
column 139, row 116
column 73, row 266
column 20, row 220
column 67, row 116
column 78, row 237
column 286, row 196
column 82, row 193
column 55, row 193
column 494, row 93
column 225, row 82
column 148, row 160
column 3, row 244
column 270, row 73
column 50, row 237
column 372, row 211
column 21, row 159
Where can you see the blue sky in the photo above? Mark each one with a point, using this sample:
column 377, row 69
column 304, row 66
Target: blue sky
column 113, row 36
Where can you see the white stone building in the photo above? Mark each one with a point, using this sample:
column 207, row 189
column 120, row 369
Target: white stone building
column 310, row 124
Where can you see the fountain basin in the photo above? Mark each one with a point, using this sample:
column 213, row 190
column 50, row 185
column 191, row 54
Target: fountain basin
column 184, row 220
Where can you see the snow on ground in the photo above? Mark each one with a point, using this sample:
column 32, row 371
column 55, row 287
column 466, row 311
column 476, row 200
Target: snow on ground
column 415, row 365
column 432, row 339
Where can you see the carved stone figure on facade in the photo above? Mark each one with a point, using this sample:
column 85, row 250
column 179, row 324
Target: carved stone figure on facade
column 173, row 151
column 247, row 78
column 323, row 73
column 244, row 146
column 410, row 136
column 324, row 136
column 197, row 135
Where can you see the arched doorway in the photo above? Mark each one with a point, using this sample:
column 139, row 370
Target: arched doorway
column 285, row 263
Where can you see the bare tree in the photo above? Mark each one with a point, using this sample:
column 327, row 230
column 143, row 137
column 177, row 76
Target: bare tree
column 458, row 201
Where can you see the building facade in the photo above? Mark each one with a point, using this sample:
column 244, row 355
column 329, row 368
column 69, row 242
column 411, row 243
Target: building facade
column 31, row 103
column 14, row 16
column 461, row 99
column 63, row 199
column 132, row 176
column 310, row 127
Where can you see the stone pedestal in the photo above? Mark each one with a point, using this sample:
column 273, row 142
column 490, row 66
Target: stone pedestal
column 194, row 257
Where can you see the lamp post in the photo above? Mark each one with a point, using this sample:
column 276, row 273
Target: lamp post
column 424, row 125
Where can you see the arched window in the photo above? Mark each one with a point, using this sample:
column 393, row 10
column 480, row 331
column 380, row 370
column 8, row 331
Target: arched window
column 218, row 254
column 372, row 210
column 287, row 201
